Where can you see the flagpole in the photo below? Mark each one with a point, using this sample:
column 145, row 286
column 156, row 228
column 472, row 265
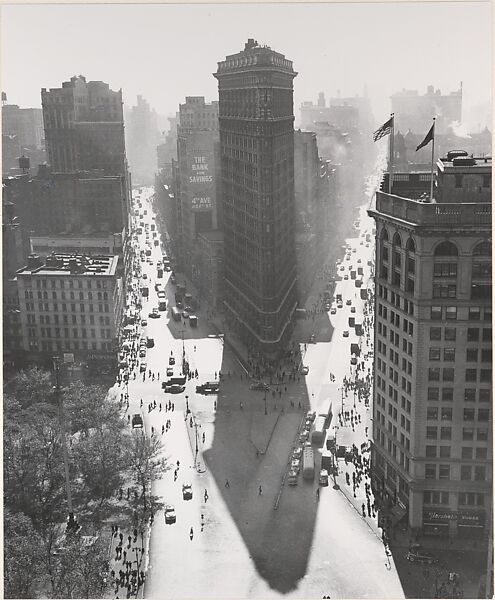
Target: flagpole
column 432, row 159
column 391, row 156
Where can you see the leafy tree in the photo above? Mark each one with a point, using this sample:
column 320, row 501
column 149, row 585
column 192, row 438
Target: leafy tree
column 33, row 464
column 146, row 465
column 22, row 564
column 79, row 567
column 31, row 386
column 101, row 459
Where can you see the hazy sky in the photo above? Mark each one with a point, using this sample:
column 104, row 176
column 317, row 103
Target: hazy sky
column 168, row 51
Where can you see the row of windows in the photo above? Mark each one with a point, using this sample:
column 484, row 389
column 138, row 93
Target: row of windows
column 45, row 307
column 436, row 497
column 483, row 375
column 28, row 295
column 467, row 452
column 47, row 332
column 447, row 394
column 75, row 319
column 49, row 346
column 468, row 433
column 392, row 449
column 445, row 413
column 468, row 472
column 396, row 299
column 68, row 284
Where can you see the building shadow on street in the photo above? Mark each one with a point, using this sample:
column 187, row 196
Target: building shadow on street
column 252, row 449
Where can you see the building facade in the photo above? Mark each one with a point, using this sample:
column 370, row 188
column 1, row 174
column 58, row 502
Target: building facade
column 432, row 428
column 197, row 179
column 84, row 127
column 71, row 304
column 257, row 153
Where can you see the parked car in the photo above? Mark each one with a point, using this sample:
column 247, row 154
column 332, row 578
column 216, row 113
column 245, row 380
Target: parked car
column 297, row 452
column 170, row 371
column 174, row 388
column 170, row 516
column 303, row 436
column 340, row 304
column 292, row 477
column 295, row 464
column 185, row 314
column 323, row 477
column 210, row 387
column 187, row 491
column 144, row 322
column 305, row 370
column 142, row 352
column 333, row 310
column 137, row 421
column 142, row 367
column 418, row 554
column 311, row 415
column 353, row 360
column 154, row 314
column 171, row 360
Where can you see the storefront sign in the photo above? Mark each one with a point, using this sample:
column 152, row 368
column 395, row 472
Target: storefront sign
column 201, row 203
column 200, row 170
column 444, row 515
column 201, row 185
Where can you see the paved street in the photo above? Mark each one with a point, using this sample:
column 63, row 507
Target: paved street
column 282, row 541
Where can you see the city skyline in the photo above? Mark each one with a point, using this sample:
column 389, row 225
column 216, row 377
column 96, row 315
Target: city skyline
column 335, row 47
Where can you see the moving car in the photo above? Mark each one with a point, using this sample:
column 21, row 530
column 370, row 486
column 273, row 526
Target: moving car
column 171, row 360
column 346, row 277
column 353, row 309
column 259, row 386
column 305, row 370
column 327, row 306
column 353, row 360
column 345, row 333
column 154, row 314
column 137, row 421
column 174, row 388
column 348, row 302
column 150, row 342
column 170, row 371
column 210, row 387
column 340, row 304
column 142, row 367
column 170, row 516
column 142, row 352
column 187, row 491
column 185, row 314
column 295, row 464
column 312, row 339
column 144, row 322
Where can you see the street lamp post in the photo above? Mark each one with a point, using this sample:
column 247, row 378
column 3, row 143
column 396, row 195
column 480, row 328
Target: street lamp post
column 72, row 524
column 187, row 405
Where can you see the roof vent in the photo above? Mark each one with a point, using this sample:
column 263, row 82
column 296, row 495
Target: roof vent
column 33, row 262
column 454, row 153
column 463, row 161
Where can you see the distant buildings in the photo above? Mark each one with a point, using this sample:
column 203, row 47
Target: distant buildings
column 84, row 127
column 22, row 135
column 71, row 304
column 142, row 138
column 415, row 112
column 433, row 410
column 257, row 153
column 315, row 186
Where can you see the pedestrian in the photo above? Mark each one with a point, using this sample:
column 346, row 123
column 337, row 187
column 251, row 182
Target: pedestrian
column 260, row 491
column 227, row 484
column 317, row 493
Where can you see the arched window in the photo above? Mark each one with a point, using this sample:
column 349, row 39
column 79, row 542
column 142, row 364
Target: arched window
column 410, row 245
column 384, row 252
column 384, row 235
column 396, row 240
column 446, row 248
column 483, row 249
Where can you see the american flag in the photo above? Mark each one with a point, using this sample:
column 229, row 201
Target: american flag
column 384, row 130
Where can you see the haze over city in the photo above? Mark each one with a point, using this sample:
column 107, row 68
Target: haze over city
column 167, row 52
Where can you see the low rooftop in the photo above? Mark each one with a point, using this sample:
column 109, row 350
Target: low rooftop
column 70, row 264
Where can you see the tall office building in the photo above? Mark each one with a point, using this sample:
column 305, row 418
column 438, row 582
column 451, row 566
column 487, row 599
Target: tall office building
column 197, row 179
column 84, row 127
column 432, row 428
column 257, row 157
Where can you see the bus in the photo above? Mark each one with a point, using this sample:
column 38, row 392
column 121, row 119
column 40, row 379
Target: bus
column 176, row 316
column 308, row 464
column 318, row 433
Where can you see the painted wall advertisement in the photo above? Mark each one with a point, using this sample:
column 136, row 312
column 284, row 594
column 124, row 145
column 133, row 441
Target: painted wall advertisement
column 201, row 181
